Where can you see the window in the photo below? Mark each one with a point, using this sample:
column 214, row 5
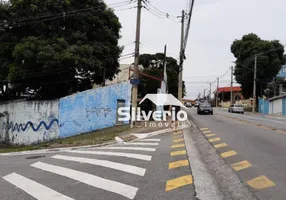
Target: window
column 284, row 70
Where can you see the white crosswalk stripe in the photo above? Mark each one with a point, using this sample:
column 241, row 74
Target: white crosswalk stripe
column 95, row 181
column 108, row 153
column 127, row 148
column 104, row 156
column 105, row 163
column 34, row 189
column 141, row 143
column 151, row 140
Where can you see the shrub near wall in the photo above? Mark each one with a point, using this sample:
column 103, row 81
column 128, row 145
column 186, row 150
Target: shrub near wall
column 92, row 109
column 28, row 122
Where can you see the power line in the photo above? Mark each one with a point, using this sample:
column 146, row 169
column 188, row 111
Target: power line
column 43, row 18
column 225, row 73
column 158, row 10
column 122, row 3
column 126, row 8
column 158, row 13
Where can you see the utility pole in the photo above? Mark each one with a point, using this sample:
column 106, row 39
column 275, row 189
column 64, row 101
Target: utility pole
column 210, row 96
column 254, row 84
column 136, row 60
column 204, row 93
column 275, row 85
column 231, row 85
column 217, row 85
column 180, row 84
column 165, row 52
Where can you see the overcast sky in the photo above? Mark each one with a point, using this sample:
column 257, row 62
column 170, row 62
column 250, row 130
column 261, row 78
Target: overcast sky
column 215, row 25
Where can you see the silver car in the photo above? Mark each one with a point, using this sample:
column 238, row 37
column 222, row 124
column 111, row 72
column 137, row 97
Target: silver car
column 236, row 108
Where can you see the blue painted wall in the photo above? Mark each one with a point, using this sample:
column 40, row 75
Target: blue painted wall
column 92, row 109
column 263, row 106
column 284, row 106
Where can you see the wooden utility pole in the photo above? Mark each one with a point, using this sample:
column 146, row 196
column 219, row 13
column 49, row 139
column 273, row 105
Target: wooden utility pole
column 210, row 96
column 254, row 84
column 136, row 59
column 165, row 52
column 204, row 93
column 231, row 85
column 180, row 83
column 217, row 86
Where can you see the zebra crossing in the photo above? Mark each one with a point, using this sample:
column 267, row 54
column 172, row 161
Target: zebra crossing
column 106, row 157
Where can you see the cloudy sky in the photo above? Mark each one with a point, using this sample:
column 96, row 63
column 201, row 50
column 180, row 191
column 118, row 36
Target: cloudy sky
column 215, row 25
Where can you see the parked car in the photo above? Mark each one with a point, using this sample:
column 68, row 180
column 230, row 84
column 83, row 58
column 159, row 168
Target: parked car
column 188, row 104
column 236, row 108
column 197, row 104
column 205, row 108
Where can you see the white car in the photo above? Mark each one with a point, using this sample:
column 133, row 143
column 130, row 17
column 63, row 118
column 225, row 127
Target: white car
column 236, row 108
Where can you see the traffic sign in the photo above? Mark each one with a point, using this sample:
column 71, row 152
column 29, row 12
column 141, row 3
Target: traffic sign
column 134, row 81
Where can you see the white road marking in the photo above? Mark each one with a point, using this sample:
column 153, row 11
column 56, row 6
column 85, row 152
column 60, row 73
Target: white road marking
column 141, row 143
column 254, row 117
column 105, row 163
column 151, row 140
column 89, row 179
column 34, row 189
column 108, row 153
column 261, row 119
column 127, row 148
column 141, row 135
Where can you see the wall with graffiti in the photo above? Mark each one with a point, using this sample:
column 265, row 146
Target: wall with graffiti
column 92, row 109
column 28, row 122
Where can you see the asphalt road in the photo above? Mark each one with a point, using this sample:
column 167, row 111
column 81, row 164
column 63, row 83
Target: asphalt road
column 156, row 168
column 254, row 146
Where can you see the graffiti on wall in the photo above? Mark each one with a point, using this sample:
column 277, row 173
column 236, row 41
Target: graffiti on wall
column 23, row 127
column 98, row 111
column 92, row 109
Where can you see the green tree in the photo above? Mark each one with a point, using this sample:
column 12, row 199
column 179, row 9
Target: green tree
column 153, row 65
column 269, row 61
column 55, row 48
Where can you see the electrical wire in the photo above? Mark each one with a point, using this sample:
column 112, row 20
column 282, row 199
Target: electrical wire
column 126, row 8
column 58, row 15
column 158, row 10
column 73, row 11
column 225, row 73
column 158, row 13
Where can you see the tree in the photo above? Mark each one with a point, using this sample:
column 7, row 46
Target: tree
column 153, row 65
column 269, row 61
column 55, row 48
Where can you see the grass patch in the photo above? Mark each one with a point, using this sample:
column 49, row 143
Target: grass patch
column 92, row 138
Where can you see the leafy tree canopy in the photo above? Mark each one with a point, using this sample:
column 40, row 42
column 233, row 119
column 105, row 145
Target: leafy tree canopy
column 52, row 54
column 269, row 61
column 153, row 65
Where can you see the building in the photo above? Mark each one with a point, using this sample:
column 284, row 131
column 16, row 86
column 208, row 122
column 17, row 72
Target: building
column 224, row 95
column 273, row 106
column 123, row 75
column 282, row 72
